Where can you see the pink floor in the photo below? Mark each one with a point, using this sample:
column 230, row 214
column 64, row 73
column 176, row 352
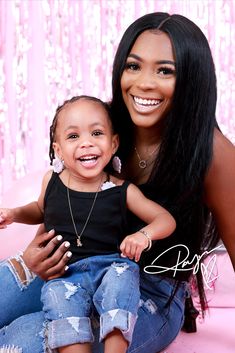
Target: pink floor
column 216, row 334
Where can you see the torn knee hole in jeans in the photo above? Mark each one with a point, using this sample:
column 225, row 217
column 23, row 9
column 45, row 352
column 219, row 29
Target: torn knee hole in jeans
column 120, row 268
column 10, row 349
column 71, row 289
column 20, row 270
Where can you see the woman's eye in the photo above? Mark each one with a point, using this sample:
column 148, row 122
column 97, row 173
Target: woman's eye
column 132, row 66
column 166, row 71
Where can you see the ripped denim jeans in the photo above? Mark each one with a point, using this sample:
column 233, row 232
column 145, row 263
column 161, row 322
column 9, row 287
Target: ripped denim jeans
column 17, row 297
column 24, row 330
column 107, row 284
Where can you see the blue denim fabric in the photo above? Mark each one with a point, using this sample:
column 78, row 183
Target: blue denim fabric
column 159, row 319
column 17, row 298
column 109, row 283
column 24, row 335
column 158, row 323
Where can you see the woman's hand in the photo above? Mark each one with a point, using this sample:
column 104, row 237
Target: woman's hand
column 39, row 259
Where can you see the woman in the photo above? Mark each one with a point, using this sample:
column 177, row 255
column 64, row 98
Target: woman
column 164, row 99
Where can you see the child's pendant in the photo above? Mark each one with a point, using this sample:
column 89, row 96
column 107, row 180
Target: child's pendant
column 79, row 243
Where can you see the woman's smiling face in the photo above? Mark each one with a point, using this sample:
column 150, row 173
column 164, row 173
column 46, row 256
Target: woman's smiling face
column 148, row 80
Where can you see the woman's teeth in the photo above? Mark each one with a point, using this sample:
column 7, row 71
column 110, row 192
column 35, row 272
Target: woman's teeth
column 146, row 102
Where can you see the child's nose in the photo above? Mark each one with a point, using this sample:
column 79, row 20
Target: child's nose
column 86, row 143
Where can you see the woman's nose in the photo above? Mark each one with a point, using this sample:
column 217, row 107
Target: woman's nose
column 147, row 80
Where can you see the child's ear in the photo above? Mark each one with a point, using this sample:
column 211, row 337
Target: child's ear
column 57, row 150
column 115, row 143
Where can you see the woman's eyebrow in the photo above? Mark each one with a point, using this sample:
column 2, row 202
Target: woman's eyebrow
column 137, row 57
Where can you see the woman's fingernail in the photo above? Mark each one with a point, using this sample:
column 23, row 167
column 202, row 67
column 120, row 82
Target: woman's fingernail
column 66, row 268
column 51, row 231
column 59, row 237
column 67, row 244
column 69, row 254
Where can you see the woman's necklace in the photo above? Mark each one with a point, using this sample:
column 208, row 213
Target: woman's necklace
column 144, row 162
column 79, row 243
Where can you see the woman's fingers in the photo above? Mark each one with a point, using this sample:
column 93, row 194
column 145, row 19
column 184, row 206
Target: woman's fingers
column 47, row 242
column 41, row 257
column 58, row 258
column 60, row 268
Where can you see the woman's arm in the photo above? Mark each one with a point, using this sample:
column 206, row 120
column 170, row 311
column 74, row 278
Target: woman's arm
column 220, row 191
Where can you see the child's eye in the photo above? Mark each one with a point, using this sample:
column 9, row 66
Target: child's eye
column 73, row 136
column 133, row 66
column 97, row 133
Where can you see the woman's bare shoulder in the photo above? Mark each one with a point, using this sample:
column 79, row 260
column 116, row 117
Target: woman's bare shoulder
column 222, row 145
column 221, row 173
column 219, row 190
column 223, row 159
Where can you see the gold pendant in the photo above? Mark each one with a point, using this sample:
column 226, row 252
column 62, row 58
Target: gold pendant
column 142, row 164
column 79, row 243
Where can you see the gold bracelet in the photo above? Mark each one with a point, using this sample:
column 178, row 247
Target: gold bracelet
column 149, row 239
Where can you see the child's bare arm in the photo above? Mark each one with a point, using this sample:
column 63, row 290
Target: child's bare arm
column 28, row 214
column 32, row 213
column 160, row 223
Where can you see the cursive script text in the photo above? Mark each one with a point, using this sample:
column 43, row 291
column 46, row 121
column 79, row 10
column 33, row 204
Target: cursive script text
column 184, row 263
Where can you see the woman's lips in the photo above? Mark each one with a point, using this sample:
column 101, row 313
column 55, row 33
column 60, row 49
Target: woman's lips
column 146, row 104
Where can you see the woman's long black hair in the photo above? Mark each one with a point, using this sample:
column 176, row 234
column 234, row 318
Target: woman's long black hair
column 187, row 142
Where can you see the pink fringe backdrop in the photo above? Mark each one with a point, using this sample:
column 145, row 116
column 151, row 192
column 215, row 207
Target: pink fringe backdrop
column 51, row 50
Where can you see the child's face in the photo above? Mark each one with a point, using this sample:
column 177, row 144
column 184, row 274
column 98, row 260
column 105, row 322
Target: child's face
column 84, row 138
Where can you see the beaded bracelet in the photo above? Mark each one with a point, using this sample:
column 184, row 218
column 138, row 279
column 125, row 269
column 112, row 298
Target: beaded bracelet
column 149, row 239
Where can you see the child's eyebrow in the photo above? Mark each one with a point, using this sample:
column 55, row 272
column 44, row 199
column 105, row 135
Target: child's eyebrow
column 97, row 124
column 93, row 125
column 71, row 127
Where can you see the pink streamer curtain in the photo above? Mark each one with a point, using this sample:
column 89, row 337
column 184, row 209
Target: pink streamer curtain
column 53, row 50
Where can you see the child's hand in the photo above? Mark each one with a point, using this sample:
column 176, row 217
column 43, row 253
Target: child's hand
column 6, row 217
column 133, row 245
